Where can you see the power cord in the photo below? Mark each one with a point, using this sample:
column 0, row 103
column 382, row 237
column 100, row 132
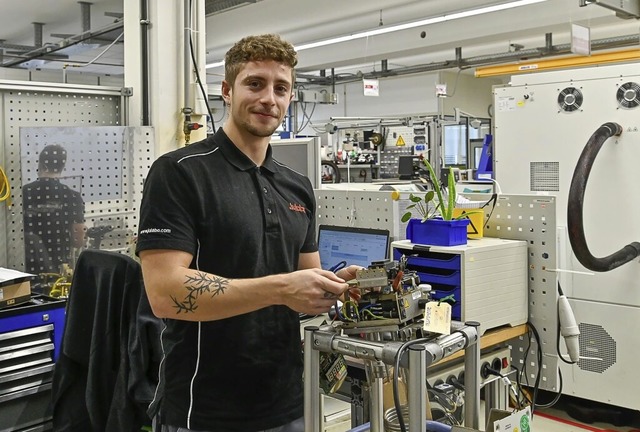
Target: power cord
column 491, row 371
column 568, row 328
column 396, row 392
column 5, row 188
column 536, row 384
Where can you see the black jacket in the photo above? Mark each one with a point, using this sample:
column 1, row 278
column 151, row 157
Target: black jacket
column 108, row 366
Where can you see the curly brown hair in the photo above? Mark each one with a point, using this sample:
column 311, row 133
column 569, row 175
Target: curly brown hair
column 257, row 48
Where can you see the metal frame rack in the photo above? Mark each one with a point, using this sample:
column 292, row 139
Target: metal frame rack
column 515, row 217
column 415, row 356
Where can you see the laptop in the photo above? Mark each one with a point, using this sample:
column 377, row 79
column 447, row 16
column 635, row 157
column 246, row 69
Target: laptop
column 356, row 246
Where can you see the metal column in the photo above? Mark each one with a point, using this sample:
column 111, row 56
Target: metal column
column 311, row 383
column 417, row 399
column 472, row 380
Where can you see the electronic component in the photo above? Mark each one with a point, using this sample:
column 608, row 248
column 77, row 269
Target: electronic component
column 390, row 294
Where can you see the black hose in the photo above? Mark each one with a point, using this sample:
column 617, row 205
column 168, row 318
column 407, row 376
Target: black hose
column 575, row 222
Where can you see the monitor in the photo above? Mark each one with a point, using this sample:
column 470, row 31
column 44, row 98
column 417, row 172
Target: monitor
column 356, row 246
column 301, row 155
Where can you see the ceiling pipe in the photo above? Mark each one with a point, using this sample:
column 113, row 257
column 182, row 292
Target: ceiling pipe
column 484, row 60
column 73, row 40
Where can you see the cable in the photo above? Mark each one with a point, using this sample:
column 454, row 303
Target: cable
column 304, row 115
column 97, row 57
column 505, row 380
column 5, row 188
column 450, row 406
column 522, row 392
column 557, row 398
column 396, row 395
column 558, row 332
column 569, row 329
column 195, row 68
column 536, row 384
column 575, row 200
column 493, row 198
column 456, row 383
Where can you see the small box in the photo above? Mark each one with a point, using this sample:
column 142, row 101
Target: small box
column 15, row 287
column 438, row 232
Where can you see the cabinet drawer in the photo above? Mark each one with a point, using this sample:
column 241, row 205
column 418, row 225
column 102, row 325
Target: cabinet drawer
column 438, row 293
column 25, row 338
column 25, row 378
column 430, row 259
column 433, row 276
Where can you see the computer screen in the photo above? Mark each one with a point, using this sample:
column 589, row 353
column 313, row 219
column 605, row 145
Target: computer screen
column 300, row 154
column 356, row 246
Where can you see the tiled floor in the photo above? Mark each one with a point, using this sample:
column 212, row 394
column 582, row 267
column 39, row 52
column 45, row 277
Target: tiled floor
column 557, row 420
column 544, row 420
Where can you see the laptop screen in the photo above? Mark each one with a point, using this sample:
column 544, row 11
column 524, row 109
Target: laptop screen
column 356, row 246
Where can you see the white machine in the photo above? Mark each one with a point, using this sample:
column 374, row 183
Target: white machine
column 542, row 123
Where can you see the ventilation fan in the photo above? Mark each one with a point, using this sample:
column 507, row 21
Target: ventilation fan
column 570, row 99
column 628, row 95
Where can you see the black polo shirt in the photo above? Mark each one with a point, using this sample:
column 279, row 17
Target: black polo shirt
column 49, row 208
column 239, row 221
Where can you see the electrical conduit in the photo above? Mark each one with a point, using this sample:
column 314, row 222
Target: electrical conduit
column 575, row 217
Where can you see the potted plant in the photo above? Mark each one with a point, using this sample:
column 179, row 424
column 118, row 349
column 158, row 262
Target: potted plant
column 436, row 225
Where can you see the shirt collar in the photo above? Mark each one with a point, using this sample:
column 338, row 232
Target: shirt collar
column 239, row 159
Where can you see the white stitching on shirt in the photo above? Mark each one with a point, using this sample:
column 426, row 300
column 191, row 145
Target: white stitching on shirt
column 287, row 167
column 199, row 154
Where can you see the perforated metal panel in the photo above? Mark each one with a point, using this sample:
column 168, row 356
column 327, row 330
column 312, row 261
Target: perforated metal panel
column 597, row 348
column 544, row 176
column 366, row 209
column 106, row 162
column 533, row 218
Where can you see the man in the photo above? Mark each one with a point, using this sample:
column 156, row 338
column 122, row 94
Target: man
column 229, row 258
column 53, row 215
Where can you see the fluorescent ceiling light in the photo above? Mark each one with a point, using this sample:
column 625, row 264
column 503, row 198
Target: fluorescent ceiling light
column 410, row 25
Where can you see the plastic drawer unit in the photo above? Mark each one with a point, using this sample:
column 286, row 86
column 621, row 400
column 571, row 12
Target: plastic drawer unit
column 30, row 338
column 487, row 277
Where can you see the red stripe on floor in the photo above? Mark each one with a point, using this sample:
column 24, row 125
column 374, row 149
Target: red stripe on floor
column 569, row 422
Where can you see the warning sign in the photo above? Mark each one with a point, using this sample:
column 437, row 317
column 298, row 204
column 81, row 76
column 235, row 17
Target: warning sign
column 400, row 141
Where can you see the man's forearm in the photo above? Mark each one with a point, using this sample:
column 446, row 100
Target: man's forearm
column 194, row 295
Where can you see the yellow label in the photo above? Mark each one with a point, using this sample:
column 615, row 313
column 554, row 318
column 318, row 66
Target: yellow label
column 400, row 142
column 475, row 229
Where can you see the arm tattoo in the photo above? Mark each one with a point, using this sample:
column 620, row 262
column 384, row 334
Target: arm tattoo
column 198, row 285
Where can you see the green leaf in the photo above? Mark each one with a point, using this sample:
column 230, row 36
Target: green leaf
column 429, row 196
column 436, row 186
column 414, row 198
column 406, row 217
column 452, row 195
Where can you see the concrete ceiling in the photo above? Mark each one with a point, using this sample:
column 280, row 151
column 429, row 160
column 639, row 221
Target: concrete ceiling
column 303, row 21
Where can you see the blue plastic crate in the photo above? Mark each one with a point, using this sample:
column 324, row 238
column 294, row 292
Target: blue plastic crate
column 438, row 232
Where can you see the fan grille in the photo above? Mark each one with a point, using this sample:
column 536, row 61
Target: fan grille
column 628, row 95
column 570, row 99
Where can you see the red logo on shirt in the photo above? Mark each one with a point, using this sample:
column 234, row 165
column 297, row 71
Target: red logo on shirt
column 297, row 207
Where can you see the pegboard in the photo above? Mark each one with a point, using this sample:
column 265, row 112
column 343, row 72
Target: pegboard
column 357, row 208
column 533, row 218
column 515, row 217
column 105, row 162
column 389, row 160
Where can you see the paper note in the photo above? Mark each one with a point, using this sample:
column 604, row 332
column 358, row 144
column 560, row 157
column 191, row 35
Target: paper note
column 437, row 317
